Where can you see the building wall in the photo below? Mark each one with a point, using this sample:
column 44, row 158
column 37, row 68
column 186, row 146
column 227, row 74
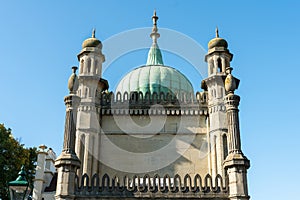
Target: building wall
column 178, row 145
column 48, row 196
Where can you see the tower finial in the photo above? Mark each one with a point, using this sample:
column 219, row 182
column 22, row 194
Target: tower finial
column 154, row 55
column 93, row 33
column 217, row 32
column 154, row 18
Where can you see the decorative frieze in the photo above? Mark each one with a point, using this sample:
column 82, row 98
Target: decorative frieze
column 129, row 111
column 139, row 104
column 136, row 98
column 146, row 186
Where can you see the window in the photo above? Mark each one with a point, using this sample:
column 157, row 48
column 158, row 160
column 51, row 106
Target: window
column 219, row 65
column 225, row 146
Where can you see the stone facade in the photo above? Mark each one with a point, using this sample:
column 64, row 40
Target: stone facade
column 45, row 174
column 152, row 142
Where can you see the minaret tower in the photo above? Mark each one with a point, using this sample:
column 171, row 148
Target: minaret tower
column 90, row 83
column 218, row 59
column 236, row 164
column 68, row 163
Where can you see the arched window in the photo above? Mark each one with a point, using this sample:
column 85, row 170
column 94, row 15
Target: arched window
column 86, row 92
column 225, row 146
column 119, row 96
column 125, row 96
column 147, row 97
column 154, row 97
column 141, row 96
column 219, row 65
column 162, row 96
column 221, row 92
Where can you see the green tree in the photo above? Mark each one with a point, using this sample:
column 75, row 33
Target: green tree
column 13, row 155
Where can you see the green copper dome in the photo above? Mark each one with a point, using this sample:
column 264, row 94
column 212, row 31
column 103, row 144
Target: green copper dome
column 155, row 78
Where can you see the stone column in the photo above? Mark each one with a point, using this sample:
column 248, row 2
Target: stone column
column 236, row 164
column 68, row 163
column 39, row 173
column 223, row 63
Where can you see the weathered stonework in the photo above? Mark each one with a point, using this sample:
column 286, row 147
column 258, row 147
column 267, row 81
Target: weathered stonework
column 117, row 144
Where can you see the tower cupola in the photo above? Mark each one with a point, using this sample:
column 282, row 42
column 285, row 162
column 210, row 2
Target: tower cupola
column 91, row 57
column 92, row 41
column 218, row 56
column 217, row 42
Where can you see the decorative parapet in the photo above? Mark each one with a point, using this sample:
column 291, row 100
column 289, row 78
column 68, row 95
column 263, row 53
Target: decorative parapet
column 139, row 98
column 135, row 103
column 154, row 187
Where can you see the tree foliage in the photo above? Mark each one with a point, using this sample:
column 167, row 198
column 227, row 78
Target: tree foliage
column 13, row 155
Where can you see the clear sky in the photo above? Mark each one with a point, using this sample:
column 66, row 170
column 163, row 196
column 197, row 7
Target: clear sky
column 39, row 42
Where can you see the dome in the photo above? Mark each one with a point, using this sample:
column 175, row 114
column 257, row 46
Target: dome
column 155, row 78
column 217, row 42
column 92, row 42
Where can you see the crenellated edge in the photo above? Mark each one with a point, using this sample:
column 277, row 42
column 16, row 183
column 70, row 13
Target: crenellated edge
column 143, row 186
column 135, row 103
column 140, row 98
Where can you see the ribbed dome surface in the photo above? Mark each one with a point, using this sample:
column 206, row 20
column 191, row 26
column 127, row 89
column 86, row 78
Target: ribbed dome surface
column 91, row 42
column 155, row 78
column 218, row 42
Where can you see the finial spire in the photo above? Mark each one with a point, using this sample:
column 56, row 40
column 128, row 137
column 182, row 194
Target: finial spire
column 154, row 18
column 154, row 35
column 93, row 33
column 154, row 55
column 217, row 32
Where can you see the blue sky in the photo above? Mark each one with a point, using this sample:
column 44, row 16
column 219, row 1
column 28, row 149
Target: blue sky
column 39, row 42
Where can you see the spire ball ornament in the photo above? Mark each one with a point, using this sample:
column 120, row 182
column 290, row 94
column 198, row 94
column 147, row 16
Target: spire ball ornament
column 154, row 18
column 154, row 35
column 73, row 81
column 230, row 84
